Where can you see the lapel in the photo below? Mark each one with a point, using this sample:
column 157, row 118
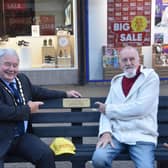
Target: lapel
column 8, row 91
column 118, row 86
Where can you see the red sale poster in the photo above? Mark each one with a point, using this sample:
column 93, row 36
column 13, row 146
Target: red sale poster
column 47, row 25
column 129, row 23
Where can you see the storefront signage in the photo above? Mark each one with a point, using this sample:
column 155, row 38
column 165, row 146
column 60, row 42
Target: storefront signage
column 124, row 31
column 129, row 22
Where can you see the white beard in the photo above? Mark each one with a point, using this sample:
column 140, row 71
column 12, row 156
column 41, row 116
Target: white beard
column 130, row 73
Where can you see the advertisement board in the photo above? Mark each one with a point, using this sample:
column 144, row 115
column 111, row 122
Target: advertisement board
column 129, row 23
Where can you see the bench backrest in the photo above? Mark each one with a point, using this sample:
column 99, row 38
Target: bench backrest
column 83, row 122
column 163, row 119
column 74, row 122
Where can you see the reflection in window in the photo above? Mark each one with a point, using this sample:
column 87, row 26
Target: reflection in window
column 41, row 32
column 19, row 15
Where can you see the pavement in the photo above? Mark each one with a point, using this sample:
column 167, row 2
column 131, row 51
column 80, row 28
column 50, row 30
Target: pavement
column 90, row 90
column 116, row 164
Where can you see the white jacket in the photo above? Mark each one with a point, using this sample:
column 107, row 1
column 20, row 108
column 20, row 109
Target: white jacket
column 134, row 117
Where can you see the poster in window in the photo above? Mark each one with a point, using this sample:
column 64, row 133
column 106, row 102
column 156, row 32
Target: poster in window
column 47, row 25
column 17, row 5
column 161, row 13
column 129, row 23
column 35, row 30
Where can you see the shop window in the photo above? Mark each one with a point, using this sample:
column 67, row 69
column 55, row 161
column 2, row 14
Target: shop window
column 41, row 31
column 17, row 17
column 119, row 23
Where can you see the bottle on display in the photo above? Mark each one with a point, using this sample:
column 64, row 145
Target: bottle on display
column 115, row 59
column 44, row 42
column 50, row 42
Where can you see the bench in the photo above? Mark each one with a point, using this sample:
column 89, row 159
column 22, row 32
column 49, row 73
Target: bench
column 80, row 123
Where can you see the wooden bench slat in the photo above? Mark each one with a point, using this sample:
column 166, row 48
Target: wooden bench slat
column 51, row 104
column 65, row 117
column 66, row 131
column 163, row 130
column 95, row 99
column 162, row 115
column 163, row 101
column 58, row 103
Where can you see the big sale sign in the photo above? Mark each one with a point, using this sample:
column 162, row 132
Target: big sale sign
column 129, row 23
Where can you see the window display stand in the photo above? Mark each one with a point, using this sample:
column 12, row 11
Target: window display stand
column 160, row 59
column 63, row 59
column 48, row 57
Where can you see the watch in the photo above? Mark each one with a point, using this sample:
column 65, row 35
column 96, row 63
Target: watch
column 63, row 41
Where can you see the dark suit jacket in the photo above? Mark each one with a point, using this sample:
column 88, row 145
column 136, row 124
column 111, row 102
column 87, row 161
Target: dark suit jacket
column 10, row 113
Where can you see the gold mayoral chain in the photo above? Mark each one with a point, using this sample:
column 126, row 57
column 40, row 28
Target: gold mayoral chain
column 21, row 91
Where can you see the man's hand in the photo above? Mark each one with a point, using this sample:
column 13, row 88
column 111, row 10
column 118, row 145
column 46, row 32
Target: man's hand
column 34, row 106
column 73, row 93
column 165, row 145
column 102, row 107
column 104, row 140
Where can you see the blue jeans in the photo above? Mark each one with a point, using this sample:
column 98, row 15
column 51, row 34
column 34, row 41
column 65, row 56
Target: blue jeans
column 142, row 154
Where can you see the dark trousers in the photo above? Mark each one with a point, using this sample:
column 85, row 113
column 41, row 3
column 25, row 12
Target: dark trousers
column 1, row 164
column 33, row 150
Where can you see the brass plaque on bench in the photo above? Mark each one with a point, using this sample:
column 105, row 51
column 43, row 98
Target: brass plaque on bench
column 76, row 102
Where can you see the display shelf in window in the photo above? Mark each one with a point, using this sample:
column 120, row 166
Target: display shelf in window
column 160, row 59
column 111, row 61
column 64, row 57
column 48, row 57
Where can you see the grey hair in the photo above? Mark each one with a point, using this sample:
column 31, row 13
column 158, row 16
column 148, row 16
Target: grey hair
column 8, row 51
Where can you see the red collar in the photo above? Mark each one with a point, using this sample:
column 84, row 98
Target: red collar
column 127, row 83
